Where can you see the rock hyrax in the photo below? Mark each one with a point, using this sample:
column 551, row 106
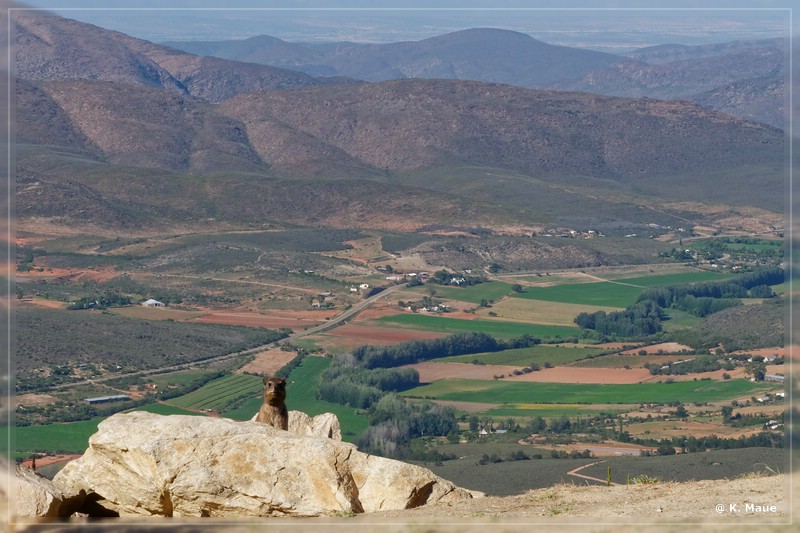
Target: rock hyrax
column 273, row 411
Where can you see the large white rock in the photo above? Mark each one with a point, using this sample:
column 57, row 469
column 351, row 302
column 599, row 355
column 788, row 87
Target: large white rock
column 36, row 496
column 325, row 425
column 146, row 464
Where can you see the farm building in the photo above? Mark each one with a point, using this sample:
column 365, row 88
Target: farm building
column 153, row 303
column 104, row 399
column 774, row 377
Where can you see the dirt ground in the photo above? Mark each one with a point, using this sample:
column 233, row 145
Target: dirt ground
column 362, row 334
column 35, row 400
column 666, row 347
column 616, row 508
column 267, row 362
column 429, row 372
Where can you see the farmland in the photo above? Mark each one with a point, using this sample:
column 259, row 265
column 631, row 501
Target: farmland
column 496, row 328
column 540, row 354
column 516, row 392
column 514, row 477
column 266, row 279
column 221, row 392
column 539, row 312
column 661, row 280
column 600, row 293
column 491, row 290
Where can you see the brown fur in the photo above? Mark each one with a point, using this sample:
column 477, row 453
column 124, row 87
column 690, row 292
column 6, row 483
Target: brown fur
column 273, row 411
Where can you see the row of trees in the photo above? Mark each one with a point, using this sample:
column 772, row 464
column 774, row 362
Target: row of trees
column 703, row 363
column 101, row 302
column 639, row 320
column 362, row 387
column 737, row 287
column 411, row 352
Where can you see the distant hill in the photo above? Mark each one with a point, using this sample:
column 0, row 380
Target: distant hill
column 55, row 48
column 133, row 137
column 731, row 71
column 673, row 72
column 482, row 54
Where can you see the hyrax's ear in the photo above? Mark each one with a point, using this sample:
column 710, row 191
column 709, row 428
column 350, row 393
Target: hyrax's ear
column 283, row 381
column 266, row 380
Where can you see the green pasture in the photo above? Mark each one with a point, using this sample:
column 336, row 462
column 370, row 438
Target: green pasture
column 221, row 392
column 179, row 379
column 72, row 437
column 490, row 290
column 539, row 354
column 495, row 328
column 498, row 391
column 301, row 391
column 759, row 246
column 677, row 320
column 661, row 280
column 603, row 293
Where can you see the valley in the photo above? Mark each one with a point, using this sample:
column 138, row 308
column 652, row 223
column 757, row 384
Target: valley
column 321, row 318
column 571, row 269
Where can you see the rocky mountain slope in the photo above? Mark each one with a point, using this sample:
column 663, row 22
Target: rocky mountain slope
column 55, row 48
column 109, row 121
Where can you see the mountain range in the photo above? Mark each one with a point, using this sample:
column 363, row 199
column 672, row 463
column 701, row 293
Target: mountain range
column 122, row 132
column 501, row 56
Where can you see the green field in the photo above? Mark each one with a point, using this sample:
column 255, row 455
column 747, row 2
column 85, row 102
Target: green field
column 221, row 392
column 490, row 290
column 540, row 354
column 675, row 279
column 603, row 293
column 502, row 392
column 72, row 437
column 495, row 328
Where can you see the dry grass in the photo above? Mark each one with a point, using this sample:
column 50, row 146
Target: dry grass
column 540, row 312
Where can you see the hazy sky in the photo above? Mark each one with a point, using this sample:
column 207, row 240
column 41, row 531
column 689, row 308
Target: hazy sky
column 609, row 25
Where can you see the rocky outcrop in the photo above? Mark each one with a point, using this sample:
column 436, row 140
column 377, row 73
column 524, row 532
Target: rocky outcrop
column 37, row 496
column 146, row 464
column 325, row 425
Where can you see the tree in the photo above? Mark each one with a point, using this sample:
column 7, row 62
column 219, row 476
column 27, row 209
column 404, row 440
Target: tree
column 756, row 369
column 516, row 287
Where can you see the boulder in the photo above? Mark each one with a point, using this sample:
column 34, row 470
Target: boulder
column 37, row 496
column 325, row 425
column 147, row 464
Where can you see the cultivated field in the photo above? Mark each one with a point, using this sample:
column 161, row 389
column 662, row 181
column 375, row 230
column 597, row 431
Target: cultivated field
column 540, row 354
column 598, row 293
column 495, row 328
column 540, row 311
column 503, row 391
